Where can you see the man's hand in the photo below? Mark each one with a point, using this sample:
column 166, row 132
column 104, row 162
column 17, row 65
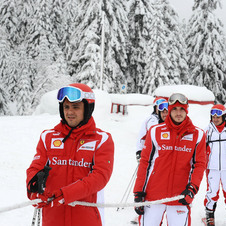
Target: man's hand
column 48, row 199
column 56, row 198
column 139, row 197
column 189, row 194
column 43, row 197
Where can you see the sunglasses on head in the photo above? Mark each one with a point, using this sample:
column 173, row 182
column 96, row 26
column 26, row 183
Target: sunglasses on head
column 177, row 97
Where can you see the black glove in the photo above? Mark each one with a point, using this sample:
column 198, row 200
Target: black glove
column 38, row 182
column 138, row 156
column 139, row 197
column 189, row 194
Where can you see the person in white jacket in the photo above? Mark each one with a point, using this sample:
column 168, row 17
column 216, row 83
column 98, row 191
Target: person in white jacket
column 151, row 120
column 216, row 160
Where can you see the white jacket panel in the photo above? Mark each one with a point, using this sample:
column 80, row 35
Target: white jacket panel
column 217, row 144
column 146, row 125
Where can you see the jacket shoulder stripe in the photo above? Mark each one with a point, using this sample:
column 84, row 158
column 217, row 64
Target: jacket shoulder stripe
column 43, row 136
column 200, row 134
column 103, row 139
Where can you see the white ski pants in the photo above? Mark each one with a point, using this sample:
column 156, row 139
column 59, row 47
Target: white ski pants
column 214, row 179
column 175, row 215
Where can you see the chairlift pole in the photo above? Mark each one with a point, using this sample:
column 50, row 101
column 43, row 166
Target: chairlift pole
column 102, row 53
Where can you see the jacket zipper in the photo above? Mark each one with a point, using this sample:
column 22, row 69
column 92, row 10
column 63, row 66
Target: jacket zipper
column 219, row 152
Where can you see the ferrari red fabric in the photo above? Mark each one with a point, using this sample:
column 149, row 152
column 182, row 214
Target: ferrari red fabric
column 173, row 156
column 81, row 167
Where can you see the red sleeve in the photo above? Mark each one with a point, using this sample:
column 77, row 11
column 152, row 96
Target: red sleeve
column 144, row 163
column 199, row 161
column 38, row 163
column 97, row 179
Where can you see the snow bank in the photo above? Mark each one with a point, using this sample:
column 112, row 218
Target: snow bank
column 49, row 104
column 195, row 93
column 102, row 105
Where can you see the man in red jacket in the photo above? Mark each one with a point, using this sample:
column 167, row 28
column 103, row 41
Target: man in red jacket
column 73, row 161
column 172, row 163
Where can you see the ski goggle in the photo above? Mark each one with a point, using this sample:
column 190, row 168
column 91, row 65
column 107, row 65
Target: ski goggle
column 159, row 101
column 162, row 106
column 177, row 97
column 216, row 112
column 73, row 94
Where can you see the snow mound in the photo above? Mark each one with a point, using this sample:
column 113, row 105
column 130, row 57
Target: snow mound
column 102, row 108
column 49, row 104
column 192, row 92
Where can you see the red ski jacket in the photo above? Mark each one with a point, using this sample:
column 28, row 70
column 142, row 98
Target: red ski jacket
column 81, row 167
column 170, row 160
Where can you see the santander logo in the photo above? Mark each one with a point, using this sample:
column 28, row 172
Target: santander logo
column 70, row 162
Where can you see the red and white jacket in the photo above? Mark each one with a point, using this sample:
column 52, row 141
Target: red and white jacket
column 152, row 120
column 81, row 167
column 216, row 142
column 170, row 160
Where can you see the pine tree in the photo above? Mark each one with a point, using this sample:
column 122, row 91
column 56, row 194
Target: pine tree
column 85, row 61
column 139, row 17
column 166, row 62
column 86, row 39
column 23, row 95
column 44, row 50
column 51, row 74
column 116, row 31
column 5, row 52
column 69, row 15
column 176, row 48
column 4, row 100
column 207, row 49
column 9, row 19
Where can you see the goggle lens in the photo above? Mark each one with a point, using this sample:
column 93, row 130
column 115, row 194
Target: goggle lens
column 163, row 106
column 177, row 97
column 216, row 112
column 73, row 94
column 159, row 101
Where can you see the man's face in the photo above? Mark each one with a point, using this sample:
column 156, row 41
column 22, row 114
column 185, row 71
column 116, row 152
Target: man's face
column 178, row 115
column 73, row 112
column 163, row 114
column 217, row 120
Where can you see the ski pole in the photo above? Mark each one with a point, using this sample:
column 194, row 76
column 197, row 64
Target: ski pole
column 36, row 212
column 129, row 187
column 39, row 217
column 34, row 217
column 42, row 177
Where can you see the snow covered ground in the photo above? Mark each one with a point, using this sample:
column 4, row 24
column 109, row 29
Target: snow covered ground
column 19, row 137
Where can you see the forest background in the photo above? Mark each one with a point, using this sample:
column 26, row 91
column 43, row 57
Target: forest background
column 107, row 44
